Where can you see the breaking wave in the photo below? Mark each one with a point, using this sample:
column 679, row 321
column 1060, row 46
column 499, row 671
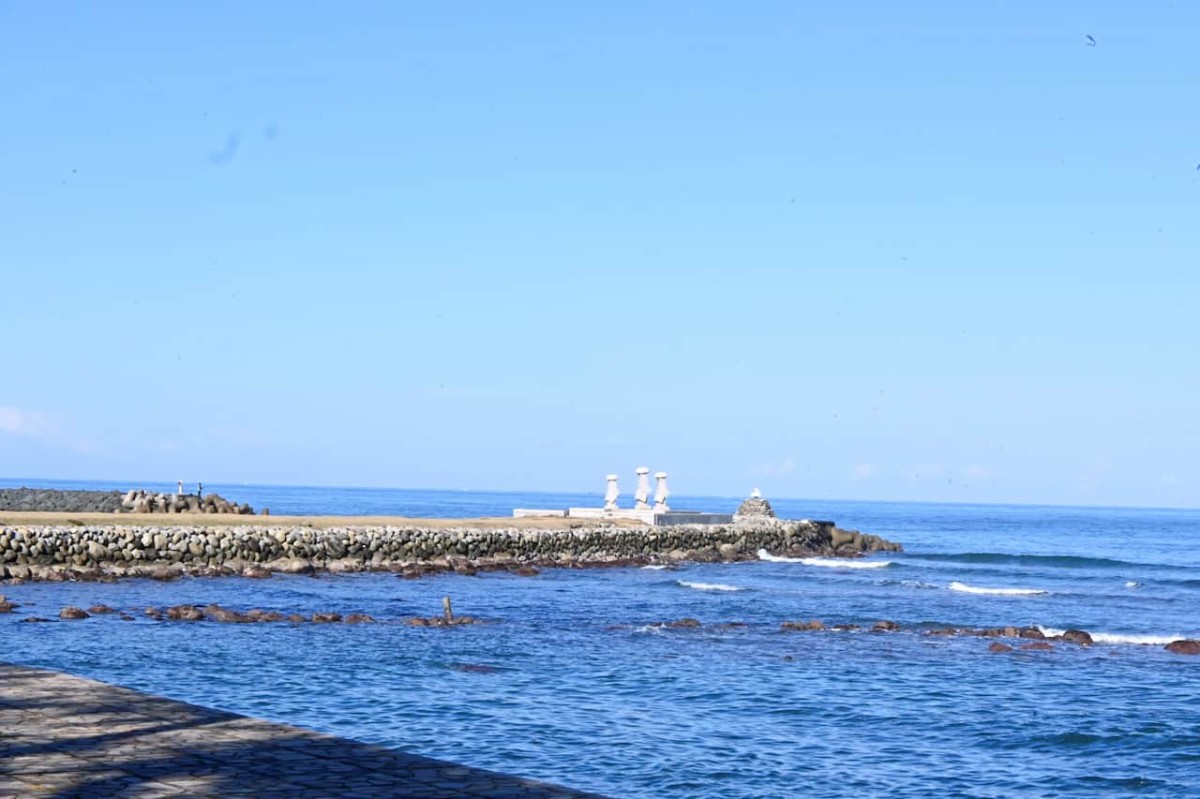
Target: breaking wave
column 833, row 563
column 709, row 586
column 971, row 589
column 1119, row 638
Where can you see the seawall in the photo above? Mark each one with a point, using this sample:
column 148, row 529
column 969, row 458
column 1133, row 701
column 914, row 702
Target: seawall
column 161, row 550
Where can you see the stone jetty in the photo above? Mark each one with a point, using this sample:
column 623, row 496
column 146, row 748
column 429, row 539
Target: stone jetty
column 49, row 500
column 66, row 736
column 105, row 551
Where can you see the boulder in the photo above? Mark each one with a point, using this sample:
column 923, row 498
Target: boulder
column 185, row 613
column 257, row 614
column 996, row 646
column 885, row 626
column 803, row 626
column 359, row 618
column 679, row 624
column 1188, row 646
column 100, row 609
column 72, row 612
column 290, row 566
column 326, row 618
column 220, row 614
column 1081, row 637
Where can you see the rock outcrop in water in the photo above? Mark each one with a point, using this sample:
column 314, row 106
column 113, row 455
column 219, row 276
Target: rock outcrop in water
column 36, row 500
column 43, row 500
column 143, row 502
column 164, row 552
column 755, row 507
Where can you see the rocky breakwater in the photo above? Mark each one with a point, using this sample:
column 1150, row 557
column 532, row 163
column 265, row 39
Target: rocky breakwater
column 163, row 551
column 40, row 500
column 144, row 502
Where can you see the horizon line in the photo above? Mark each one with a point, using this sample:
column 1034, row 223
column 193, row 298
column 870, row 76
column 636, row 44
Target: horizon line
column 4, row 479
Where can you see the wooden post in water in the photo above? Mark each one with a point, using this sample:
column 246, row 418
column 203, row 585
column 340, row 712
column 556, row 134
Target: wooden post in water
column 447, row 613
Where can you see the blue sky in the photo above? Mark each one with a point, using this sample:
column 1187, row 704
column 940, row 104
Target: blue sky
column 875, row 250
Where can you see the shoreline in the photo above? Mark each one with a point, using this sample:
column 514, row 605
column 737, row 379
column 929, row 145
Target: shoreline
column 47, row 547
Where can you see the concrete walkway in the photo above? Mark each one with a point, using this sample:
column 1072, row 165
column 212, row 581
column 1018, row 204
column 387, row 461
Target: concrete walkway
column 64, row 736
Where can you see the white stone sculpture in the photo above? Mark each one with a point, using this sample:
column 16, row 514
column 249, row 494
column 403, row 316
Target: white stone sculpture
column 756, row 494
column 610, row 495
column 661, row 492
column 642, row 494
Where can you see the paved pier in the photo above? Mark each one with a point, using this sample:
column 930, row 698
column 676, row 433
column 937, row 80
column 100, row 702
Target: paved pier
column 63, row 736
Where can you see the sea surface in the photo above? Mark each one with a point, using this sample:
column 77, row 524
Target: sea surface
column 574, row 679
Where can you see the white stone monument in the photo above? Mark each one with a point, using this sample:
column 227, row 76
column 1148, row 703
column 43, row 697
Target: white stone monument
column 661, row 493
column 610, row 495
column 642, row 495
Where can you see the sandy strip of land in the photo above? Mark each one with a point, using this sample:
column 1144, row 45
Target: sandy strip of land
column 25, row 518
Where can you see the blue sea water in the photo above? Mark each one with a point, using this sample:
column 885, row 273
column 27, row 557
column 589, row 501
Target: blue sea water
column 573, row 680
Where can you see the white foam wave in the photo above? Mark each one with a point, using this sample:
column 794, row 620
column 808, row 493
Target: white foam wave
column 656, row 566
column 1119, row 638
column 832, row 563
column 710, row 586
column 1132, row 584
column 769, row 558
column 971, row 589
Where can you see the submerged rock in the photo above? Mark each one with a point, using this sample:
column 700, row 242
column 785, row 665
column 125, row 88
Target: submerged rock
column 803, row 626
column 683, row 624
column 1037, row 646
column 1081, row 637
column 225, row 616
column 185, row 613
column 1188, row 646
column 326, row 618
column 440, row 621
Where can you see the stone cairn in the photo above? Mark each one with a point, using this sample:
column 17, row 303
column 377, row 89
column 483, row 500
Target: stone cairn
column 140, row 501
column 755, row 505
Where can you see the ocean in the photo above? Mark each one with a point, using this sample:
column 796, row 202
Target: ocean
column 576, row 679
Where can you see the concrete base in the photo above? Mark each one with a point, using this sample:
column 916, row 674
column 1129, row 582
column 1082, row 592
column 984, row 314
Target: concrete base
column 523, row 513
column 643, row 516
column 691, row 517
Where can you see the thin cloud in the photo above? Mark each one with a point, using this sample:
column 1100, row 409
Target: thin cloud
column 865, row 470
column 17, row 422
column 785, row 466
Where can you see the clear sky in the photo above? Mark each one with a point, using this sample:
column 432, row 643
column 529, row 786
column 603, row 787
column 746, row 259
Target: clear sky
column 874, row 250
